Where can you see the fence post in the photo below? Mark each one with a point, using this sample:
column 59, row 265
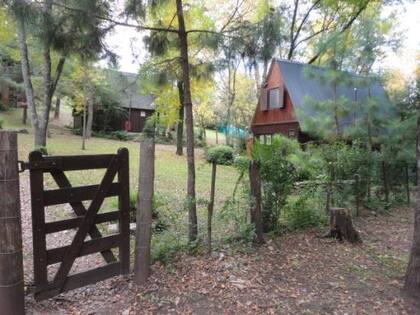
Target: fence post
column 210, row 206
column 407, row 184
column 328, row 202
column 357, row 192
column 144, row 209
column 256, row 215
column 386, row 184
column 11, row 261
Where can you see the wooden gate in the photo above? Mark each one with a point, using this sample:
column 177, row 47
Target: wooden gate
column 85, row 220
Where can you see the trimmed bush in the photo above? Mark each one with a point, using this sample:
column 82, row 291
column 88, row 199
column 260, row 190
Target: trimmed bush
column 241, row 163
column 221, row 154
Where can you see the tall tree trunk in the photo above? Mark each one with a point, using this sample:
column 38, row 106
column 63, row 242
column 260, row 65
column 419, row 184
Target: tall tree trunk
column 39, row 122
column 84, row 127
column 189, row 120
column 232, row 97
column 336, row 118
column 292, row 31
column 412, row 276
column 57, row 108
column 211, row 206
column 180, row 124
column 257, row 77
column 24, row 114
column 386, row 182
column 90, row 103
column 265, row 70
column 26, row 72
column 256, row 215
column 41, row 134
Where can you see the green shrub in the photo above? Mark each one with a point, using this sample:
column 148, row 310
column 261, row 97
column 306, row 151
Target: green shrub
column 277, row 177
column 76, row 131
column 241, row 163
column 234, row 213
column 120, row 135
column 221, row 154
column 1, row 124
column 166, row 245
column 300, row 212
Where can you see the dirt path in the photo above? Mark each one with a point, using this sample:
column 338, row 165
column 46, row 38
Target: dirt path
column 294, row 274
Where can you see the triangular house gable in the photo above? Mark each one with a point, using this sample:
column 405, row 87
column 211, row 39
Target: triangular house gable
column 299, row 82
column 267, row 120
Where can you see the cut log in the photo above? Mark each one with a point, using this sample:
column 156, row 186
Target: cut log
column 341, row 226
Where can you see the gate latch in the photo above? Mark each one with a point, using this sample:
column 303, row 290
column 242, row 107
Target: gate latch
column 22, row 166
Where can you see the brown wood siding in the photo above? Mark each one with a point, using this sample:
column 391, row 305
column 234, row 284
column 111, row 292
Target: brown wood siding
column 284, row 128
column 272, row 116
column 138, row 122
column 278, row 120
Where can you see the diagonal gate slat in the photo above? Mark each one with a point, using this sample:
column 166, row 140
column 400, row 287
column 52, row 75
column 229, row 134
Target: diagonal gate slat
column 85, row 222
column 85, row 226
column 80, row 210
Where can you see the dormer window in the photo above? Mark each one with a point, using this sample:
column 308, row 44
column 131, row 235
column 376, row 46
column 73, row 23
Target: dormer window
column 272, row 98
column 275, row 98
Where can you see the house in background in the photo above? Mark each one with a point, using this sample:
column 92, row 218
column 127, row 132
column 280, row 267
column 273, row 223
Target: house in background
column 12, row 93
column 283, row 104
column 136, row 107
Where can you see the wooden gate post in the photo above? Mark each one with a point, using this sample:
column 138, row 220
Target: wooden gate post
column 144, row 209
column 11, row 261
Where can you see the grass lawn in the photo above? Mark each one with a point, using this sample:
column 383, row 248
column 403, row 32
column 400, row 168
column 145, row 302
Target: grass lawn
column 170, row 178
column 211, row 137
column 171, row 170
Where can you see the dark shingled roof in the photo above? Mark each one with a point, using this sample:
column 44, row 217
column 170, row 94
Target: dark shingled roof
column 305, row 82
column 126, row 86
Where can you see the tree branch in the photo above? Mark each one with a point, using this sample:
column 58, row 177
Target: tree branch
column 299, row 29
column 57, row 75
column 343, row 29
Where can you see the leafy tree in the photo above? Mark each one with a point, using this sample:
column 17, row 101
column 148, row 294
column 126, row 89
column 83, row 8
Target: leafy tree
column 57, row 32
column 203, row 111
column 85, row 80
column 184, row 29
column 277, row 177
column 10, row 76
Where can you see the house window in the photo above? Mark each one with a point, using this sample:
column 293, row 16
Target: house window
column 275, row 98
column 291, row 133
column 267, row 139
column 142, row 113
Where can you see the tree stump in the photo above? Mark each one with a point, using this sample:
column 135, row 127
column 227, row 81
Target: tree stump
column 341, row 226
